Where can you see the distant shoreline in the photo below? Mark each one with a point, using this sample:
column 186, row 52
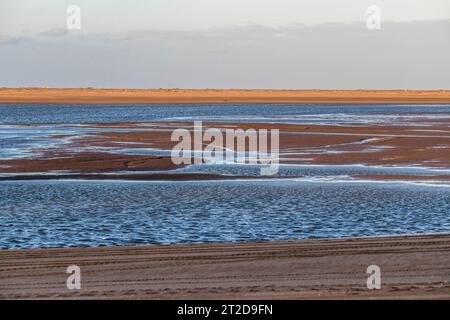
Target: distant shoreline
column 219, row 96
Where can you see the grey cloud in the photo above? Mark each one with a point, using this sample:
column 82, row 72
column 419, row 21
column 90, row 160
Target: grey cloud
column 57, row 32
column 401, row 55
column 14, row 40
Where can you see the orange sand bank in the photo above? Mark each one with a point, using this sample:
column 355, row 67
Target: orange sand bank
column 144, row 96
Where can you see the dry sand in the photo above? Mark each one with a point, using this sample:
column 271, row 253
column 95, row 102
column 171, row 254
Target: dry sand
column 182, row 96
column 411, row 267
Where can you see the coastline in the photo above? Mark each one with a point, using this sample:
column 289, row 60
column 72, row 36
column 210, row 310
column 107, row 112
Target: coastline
column 412, row 267
column 218, row 96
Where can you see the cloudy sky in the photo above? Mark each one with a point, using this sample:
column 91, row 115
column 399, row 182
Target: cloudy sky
column 226, row 44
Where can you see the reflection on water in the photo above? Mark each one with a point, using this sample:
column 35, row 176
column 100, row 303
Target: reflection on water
column 76, row 114
column 80, row 213
column 308, row 170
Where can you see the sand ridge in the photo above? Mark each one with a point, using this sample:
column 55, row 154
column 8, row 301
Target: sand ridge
column 218, row 96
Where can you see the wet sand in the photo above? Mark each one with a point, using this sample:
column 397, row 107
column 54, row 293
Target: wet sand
column 97, row 153
column 188, row 96
column 88, row 163
column 415, row 267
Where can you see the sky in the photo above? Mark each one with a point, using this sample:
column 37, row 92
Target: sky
column 293, row 44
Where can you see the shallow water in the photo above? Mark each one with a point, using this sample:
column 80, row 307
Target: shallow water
column 81, row 213
column 76, row 114
column 324, row 203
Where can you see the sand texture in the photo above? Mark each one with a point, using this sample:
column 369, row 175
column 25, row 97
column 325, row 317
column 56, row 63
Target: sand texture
column 411, row 267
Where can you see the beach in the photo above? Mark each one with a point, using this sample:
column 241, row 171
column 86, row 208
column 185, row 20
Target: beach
column 212, row 96
column 91, row 182
column 254, row 151
column 412, row 267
